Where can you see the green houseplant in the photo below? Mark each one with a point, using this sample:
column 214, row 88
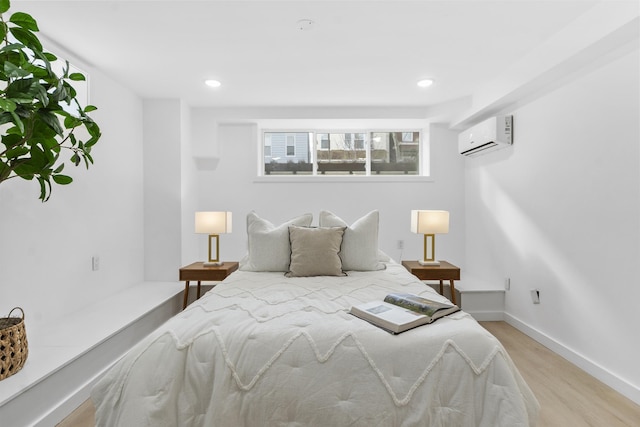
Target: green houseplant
column 42, row 124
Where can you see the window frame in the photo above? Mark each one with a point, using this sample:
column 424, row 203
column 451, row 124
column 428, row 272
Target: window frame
column 422, row 173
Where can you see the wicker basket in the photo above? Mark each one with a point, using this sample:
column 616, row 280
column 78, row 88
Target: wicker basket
column 14, row 348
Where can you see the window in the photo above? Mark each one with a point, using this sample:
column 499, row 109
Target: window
column 287, row 153
column 291, row 145
column 340, row 157
column 267, row 147
column 365, row 153
column 323, row 139
column 394, row 153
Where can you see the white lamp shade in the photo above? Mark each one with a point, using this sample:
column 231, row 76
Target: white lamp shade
column 429, row 222
column 213, row 222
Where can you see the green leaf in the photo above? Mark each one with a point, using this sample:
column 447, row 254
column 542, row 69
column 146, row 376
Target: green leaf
column 51, row 120
column 11, row 47
column 4, row 5
column 90, row 108
column 5, row 118
column 42, row 95
column 41, row 131
column 16, row 152
column 60, row 93
column 44, row 184
column 77, row 77
column 47, row 59
column 24, row 20
column 62, row 179
column 12, row 70
column 71, row 122
column 13, row 130
column 88, row 159
column 38, row 158
column 7, row 105
column 93, row 129
column 5, row 171
column 59, row 168
column 51, row 144
column 22, row 90
column 3, row 30
column 25, row 171
column 70, row 92
column 27, row 37
column 17, row 122
column 11, row 140
column 91, row 142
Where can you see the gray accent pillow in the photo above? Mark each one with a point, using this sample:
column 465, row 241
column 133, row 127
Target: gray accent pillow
column 314, row 251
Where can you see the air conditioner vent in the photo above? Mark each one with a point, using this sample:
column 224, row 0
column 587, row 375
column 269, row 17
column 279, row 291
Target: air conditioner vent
column 490, row 135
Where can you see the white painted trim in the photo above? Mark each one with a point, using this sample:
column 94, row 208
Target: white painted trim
column 592, row 368
column 325, row 179
column 69, row 403
column 487, row 316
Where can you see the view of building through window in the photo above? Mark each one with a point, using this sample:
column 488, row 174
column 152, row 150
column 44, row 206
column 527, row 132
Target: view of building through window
column 341, row 153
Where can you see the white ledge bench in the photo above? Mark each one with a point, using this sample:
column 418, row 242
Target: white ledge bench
column 65, row 362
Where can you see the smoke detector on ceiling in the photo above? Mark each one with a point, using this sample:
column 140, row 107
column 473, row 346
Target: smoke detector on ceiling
column 305, row 25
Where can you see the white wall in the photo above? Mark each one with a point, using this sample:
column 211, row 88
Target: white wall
column 232, row 185
column 163, row 133
column 189, row 190
column 559, row 212
column 46, row 248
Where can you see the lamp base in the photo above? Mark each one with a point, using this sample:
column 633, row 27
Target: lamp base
column 427, row 263
column 212, row 264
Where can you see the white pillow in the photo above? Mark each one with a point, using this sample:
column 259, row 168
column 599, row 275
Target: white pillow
column 269, row 247
column 359, row 250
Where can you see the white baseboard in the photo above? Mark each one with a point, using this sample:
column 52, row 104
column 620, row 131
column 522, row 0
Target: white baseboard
column 602, row 374
column 487, row 316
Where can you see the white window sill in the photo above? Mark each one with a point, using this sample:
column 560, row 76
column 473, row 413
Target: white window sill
column 341, row 178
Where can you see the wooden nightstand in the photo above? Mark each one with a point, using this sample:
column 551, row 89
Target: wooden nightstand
column 444, row 271
column 197, row 271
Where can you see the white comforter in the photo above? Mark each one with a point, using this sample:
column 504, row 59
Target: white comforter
column 261, row 349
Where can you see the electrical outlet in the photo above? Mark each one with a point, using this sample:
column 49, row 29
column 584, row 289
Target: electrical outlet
column 507, row 284
column 400, row 244
column 95, row 263
column 535, row 296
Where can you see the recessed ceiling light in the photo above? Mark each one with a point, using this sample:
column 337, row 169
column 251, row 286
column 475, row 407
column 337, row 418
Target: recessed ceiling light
column 425, row 83
column 212, row 83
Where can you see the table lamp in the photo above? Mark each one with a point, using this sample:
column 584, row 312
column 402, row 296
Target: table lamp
column 429, row 223
column 213, row 224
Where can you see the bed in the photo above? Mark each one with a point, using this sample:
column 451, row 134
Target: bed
column 264, row 348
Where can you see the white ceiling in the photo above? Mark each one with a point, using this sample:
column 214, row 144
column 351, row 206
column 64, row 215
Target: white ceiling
column 359, row 53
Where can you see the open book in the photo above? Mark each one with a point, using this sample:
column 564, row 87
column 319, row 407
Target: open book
column 400, row 312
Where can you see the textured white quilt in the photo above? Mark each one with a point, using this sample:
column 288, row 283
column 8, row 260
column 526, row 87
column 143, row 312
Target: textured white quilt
column 261, row 349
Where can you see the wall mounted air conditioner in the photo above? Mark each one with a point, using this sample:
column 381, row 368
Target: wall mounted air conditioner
column 490, row 135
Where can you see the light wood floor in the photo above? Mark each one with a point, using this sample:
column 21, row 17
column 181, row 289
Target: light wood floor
column 568, row 396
